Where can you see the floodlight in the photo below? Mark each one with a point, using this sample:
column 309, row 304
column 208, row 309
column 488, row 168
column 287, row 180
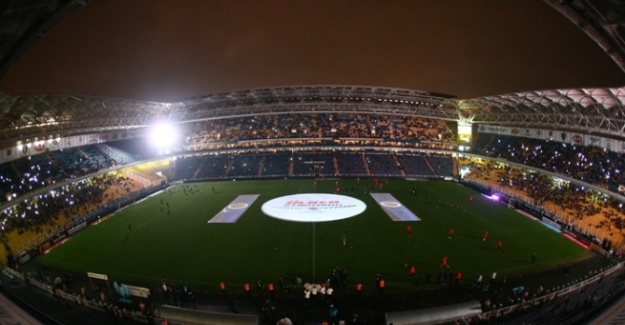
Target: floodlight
column 163, row 136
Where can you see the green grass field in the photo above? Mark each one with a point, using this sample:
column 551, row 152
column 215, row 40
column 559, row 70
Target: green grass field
column 184, row 248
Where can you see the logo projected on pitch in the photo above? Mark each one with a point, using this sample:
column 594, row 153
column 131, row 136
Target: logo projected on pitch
column 313, row 207
column 238, row 206
column 390, row 204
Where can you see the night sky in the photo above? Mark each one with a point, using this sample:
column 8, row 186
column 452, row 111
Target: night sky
column 165, row 50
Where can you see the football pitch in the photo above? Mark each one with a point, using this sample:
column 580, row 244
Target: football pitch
column 168, row 236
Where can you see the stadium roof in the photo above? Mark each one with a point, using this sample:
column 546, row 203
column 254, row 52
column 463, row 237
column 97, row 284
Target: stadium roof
column 24, row 22
column 592, row 109
column 602, row 20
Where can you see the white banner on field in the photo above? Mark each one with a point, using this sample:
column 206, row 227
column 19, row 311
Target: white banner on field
column 233, row 211
column 393, row 208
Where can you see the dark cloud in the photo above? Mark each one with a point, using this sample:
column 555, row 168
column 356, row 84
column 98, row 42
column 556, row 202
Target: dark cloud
column 163, row 50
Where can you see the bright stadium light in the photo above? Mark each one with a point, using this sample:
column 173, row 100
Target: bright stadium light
column 163, row 136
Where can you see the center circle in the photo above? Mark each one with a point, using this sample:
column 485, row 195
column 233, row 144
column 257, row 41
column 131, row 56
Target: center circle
column 313, row 207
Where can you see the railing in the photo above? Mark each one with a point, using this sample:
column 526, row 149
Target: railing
column 551, row 294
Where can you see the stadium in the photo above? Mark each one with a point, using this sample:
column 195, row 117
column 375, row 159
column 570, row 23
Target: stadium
column 310, row 203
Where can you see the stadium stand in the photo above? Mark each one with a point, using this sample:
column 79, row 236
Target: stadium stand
column 352, row 164
column 590, row 212
column 586, row 163
column 222, row 154
column 313, row 164
column 276, row 165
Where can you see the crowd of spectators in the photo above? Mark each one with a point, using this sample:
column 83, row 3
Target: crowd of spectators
column 286, row 126
column 593, row 165
column 30, row 173
column 585, row 211
column 27, row 174
column 49, row 169
column 594, row 212
column 574, row 206
column 47, row 213
column 589, row 164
